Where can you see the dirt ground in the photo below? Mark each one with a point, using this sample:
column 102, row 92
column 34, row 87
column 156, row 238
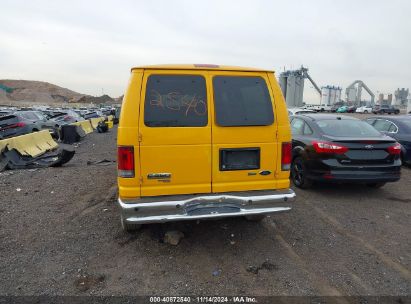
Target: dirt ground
column 60, row 235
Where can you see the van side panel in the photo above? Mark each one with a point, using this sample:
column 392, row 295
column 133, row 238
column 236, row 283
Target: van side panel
column 174, row 160
column 284, row 130
column 128, row 133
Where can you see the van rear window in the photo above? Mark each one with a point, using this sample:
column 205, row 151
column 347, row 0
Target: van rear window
column 242, row 101
column 175, row 101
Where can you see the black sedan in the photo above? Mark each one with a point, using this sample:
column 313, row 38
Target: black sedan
column 334, row 148
column 19, row 123
column 385, row 109
column 399, row 128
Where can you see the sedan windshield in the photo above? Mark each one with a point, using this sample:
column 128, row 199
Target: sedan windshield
column 347, row 128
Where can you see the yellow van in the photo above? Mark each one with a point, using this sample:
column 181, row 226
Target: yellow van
column 200, row 142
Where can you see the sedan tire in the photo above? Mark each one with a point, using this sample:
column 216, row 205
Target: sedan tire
column 299, row 174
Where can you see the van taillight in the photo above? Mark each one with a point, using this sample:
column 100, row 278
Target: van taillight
column 125, row 161
column 286, row 156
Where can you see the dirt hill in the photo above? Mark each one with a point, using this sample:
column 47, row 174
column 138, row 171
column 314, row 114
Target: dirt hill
column 27, row 91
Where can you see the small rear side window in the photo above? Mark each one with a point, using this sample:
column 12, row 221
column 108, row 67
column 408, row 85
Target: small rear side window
column 307, row 129
column 383, row 125
column 297, row 126
column 242, row 101
column 175, row 101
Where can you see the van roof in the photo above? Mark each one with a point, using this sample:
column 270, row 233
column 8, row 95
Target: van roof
column 200, row 67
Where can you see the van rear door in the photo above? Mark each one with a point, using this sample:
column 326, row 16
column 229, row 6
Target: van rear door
column 175, row 133
column 244, row 140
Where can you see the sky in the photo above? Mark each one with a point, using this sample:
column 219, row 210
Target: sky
column 90, row 46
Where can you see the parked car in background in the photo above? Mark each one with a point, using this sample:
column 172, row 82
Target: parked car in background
column 46, row 123
column 81, row 112
column 351, row 109
column 296, row 111
column 34, row 116
column 335, row 107
column 333, row 148
column 19, row 123
column 307, row 106
column 107, row 111
column 399, row 128
column 322, row 108
column 385, row 109
column 65, row 117
column 94, row 114
column 364, row 110
column 342, row 109
column 6, row 112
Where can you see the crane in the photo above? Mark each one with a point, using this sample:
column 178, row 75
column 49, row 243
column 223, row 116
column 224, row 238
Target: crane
column 361, row 85
column 292, row 86
column 306, row 75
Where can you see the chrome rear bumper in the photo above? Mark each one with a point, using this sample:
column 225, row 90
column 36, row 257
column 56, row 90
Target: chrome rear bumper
column 204, row 206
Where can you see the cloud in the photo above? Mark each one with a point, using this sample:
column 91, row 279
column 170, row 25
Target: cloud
column 90, row 45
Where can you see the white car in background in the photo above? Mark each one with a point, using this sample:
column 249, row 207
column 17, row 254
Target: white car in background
column 321, row 108
column 364, row 110
column 297, row 111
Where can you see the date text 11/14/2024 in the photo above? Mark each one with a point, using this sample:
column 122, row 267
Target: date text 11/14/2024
column 203, row 299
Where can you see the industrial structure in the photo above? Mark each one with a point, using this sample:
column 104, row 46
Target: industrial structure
column 401, row 96
column 382, row 101
column 330, row 95
column 353, row 94
column 292, row 86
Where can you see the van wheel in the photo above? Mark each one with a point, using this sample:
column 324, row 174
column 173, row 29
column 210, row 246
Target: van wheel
column 299, row 174
column 365, row 112
column 376, row 185
column 255, row 217
column 127, row 227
